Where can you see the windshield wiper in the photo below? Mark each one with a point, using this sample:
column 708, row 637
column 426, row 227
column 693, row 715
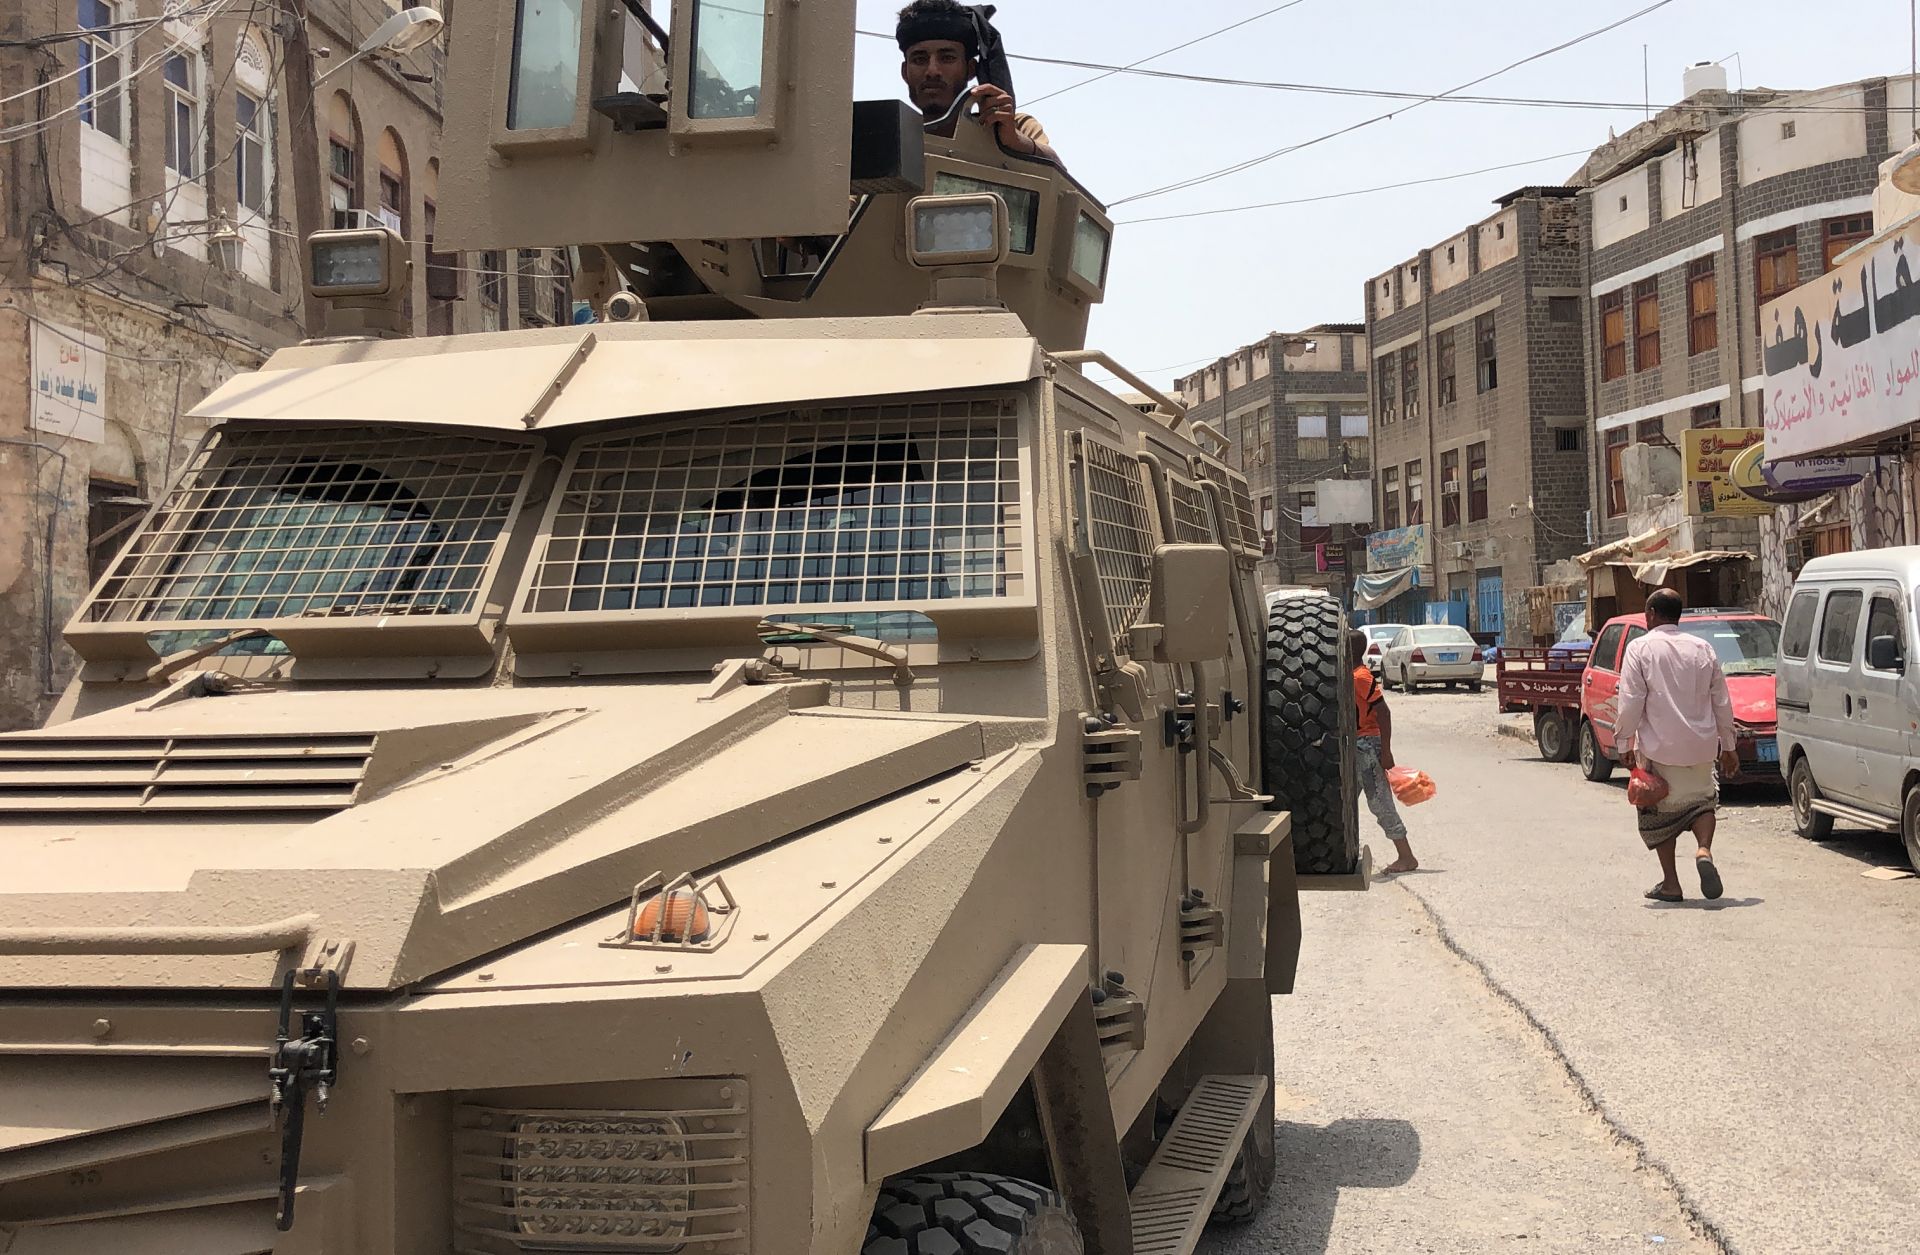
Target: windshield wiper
column 831, row 634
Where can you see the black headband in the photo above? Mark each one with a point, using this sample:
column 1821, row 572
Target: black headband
column 957, row 27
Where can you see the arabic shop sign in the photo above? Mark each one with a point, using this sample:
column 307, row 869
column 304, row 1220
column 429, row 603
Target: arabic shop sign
column 1710, row 454
column 1396, row 548
column 1842, row 353
column 69, row 382
column 1793, row 480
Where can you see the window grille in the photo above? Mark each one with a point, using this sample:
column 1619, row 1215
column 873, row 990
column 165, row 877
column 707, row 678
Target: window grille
column 1190, row 524
column 269, row 524
column 1114, row 508
column 861, row 504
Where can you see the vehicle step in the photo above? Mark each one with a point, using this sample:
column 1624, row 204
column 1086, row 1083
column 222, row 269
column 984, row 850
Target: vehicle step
column 1175, row 1195
column 1853, row 815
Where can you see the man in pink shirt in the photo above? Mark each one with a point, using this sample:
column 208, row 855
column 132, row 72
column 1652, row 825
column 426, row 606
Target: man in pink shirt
column 1676, row 721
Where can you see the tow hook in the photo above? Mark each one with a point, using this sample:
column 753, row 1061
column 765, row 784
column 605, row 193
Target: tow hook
column 308, row 1062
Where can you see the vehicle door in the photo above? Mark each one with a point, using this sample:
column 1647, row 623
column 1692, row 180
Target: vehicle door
column 1880, row 719
column 1395, row 655
column 1832, row 745
column 1600, row 684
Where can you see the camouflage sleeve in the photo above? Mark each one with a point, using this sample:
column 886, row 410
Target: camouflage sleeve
column 1029, row 126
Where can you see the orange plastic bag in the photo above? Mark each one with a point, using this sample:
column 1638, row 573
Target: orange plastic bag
column 1410, row 787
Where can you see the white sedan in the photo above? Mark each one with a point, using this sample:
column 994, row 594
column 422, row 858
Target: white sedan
column 1432, row 654
column 1379, row 636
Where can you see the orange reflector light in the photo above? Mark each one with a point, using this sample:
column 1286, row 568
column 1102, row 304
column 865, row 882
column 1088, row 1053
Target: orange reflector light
column 680, row 916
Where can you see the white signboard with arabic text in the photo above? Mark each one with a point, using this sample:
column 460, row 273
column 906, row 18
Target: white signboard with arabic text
column 1841, row 354
column 69, row 382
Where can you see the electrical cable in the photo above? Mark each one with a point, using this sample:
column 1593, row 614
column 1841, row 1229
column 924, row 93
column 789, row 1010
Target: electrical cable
column 1110, row 71
column 147, row 27
column 1359, row 191
column 1248, row 164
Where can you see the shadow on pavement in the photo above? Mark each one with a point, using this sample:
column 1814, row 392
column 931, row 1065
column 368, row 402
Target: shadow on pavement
column 1875, row 849
column 1316, row 1162
column 1703, row 904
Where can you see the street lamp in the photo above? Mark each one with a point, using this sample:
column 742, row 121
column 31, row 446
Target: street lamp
column 396, row 37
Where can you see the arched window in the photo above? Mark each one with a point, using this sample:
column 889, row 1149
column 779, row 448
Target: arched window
column 393, row 182
column 343, row 161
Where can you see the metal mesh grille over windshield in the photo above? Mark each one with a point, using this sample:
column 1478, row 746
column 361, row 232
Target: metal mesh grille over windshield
column 329, row 520
column 883, row 503
column 1243, row 531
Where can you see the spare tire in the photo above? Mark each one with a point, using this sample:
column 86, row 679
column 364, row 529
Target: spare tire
column 1307, row 730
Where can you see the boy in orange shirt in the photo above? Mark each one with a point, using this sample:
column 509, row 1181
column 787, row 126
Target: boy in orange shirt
column 1374, row 743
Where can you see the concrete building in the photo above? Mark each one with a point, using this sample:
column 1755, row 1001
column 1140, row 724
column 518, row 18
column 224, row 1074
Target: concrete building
column 1293, row 409
column 1695, row 219
column 146, row 255
column 1478, row 383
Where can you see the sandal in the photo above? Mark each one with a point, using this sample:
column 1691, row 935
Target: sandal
column 1659, row 894
column 1710, row 886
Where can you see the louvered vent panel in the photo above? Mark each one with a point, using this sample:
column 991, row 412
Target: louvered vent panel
column 88, row 775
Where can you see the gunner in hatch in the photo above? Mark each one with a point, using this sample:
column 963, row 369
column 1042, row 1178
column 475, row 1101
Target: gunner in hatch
column 944, row 45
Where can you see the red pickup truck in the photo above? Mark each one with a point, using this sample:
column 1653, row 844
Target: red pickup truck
column 1574, row 694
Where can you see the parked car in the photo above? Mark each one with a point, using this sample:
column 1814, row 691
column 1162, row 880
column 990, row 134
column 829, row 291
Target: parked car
column 1847, row 738
column 1575, row 700
column 1434, row 653
column 1379, row 636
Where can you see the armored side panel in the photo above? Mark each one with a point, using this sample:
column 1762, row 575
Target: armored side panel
column 564, row 126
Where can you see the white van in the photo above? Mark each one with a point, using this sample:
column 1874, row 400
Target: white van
column 1849, row 704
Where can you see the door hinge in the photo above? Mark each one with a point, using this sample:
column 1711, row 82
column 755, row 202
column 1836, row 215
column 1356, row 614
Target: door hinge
column 1202, row 925
column 1110, row 755
column 305, row 1060
column 1119, row 1017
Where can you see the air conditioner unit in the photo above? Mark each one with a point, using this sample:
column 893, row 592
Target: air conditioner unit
column 1461, row 549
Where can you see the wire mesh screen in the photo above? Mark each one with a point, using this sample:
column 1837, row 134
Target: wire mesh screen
column 1192, row 522
column 858, row 504
column 1117, row 527
column 268, row 524
column 1243, row 532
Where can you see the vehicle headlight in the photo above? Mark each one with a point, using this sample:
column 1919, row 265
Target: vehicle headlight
column 618, row 1176
column 625, row 1169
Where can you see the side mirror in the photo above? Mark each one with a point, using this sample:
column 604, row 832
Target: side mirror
column 1883, row 654
column 1191, row 602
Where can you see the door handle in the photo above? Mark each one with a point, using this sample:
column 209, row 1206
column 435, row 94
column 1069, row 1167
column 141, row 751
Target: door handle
column 1846, row 703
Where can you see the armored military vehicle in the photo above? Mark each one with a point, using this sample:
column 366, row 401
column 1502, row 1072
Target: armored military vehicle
column 792, row 765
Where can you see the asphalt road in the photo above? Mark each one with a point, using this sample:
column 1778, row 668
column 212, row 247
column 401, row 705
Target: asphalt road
column 1512, row 1050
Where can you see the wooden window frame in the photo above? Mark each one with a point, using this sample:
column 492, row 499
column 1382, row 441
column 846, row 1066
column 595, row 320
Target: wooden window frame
column 1486, row 344
column 1443, row 367
column 1616, row 448
column 1415, row 479
column 1646, row 325
column 1837, row 235
column 1450, row 488
column 1613, row 334
column 1703, row 307
column 1776, row 265
column 1477, row 485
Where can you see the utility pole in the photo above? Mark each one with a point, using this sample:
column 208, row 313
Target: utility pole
column 303, row 115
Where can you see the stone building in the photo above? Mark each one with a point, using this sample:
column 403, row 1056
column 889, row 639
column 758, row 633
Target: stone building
column 1695, row 219
column 1293, row 409
column 1479, row 398
column 146, row 255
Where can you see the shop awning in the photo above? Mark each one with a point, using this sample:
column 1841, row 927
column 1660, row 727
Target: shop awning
column 1651, row 555
column 1381, row 587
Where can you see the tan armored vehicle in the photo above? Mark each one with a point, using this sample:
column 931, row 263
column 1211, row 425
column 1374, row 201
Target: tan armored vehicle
column 791, row 766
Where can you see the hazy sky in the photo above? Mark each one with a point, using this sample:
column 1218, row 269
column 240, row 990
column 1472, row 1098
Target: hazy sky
column 1186, row 291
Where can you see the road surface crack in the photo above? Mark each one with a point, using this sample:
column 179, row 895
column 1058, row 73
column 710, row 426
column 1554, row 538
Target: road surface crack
column 1702, row 1224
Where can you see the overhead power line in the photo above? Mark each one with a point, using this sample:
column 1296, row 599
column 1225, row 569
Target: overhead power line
column 1358, row 191
column 1248, row 164
column 1108, row 71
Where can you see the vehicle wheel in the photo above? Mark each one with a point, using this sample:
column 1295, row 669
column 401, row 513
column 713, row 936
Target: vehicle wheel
column 1386, row 681
column 970, row 1213
column 1910, row 826
column 1554, row 735
column 1250, row 1179
column 1307, row 731
column 1595, row 765
column 1809, row 822
column 1474, row 686
column 1406, row 679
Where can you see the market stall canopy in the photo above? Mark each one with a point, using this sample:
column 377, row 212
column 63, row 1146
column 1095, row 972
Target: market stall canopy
column 1650, row 556
column 1381, row 587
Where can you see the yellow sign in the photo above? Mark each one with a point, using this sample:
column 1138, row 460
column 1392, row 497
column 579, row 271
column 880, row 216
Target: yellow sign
column 1709, row 454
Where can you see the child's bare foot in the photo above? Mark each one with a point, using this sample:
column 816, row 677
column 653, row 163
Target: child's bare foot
column 1406, row 864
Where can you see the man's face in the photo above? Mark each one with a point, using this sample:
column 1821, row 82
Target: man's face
column 935, row 71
